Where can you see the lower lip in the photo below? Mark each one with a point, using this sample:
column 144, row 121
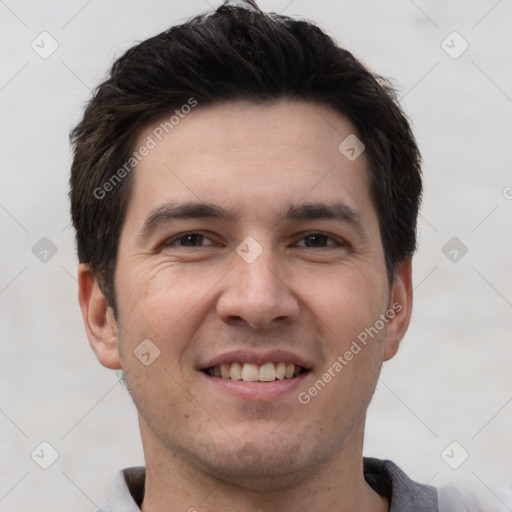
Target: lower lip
column 257, row 390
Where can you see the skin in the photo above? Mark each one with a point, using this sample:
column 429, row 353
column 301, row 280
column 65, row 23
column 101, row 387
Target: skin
column 198, row 299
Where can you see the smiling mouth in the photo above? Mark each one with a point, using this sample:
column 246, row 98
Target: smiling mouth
column 249, row 372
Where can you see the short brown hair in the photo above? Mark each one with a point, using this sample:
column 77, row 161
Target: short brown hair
column 236, row 52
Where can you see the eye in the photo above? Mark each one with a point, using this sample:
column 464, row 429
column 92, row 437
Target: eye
column 188, row 240
column 309, row 241
column 319, row 240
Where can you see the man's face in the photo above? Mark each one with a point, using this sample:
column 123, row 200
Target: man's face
column 291, row 272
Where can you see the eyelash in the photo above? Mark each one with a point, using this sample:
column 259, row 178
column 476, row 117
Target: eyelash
column 179, row 237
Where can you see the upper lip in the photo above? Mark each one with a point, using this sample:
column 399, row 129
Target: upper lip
column 257, row 357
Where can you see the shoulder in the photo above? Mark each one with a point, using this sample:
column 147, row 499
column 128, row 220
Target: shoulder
column 475, row 496
column 127, row 491
column 403, row 494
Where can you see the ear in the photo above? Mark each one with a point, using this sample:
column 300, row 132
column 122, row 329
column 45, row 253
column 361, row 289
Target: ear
column 401, row 304
column 99, row 320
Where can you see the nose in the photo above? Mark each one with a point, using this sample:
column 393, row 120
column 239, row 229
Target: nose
column 256, row 294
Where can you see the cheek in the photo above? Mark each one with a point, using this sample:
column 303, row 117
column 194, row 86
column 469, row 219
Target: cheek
column 163, row 304
column 347, row 302
column 355, row 303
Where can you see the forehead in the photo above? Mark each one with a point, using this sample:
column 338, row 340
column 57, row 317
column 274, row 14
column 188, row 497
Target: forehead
column 243, row 154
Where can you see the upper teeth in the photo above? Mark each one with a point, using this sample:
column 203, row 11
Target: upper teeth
column 250, row 372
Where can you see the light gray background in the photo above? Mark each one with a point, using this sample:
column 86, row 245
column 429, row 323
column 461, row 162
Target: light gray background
column 451, row 380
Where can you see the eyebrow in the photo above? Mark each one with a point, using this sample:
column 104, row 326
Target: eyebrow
column 198, row 210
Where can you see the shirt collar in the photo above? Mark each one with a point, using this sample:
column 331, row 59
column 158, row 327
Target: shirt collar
column 384, row 476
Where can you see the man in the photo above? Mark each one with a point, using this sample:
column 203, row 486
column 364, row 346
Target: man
column 245, row 195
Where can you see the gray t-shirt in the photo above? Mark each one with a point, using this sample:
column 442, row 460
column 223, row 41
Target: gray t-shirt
column 385, row 477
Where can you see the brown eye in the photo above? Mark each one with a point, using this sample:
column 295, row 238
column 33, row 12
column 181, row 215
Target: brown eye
column 316, row 240
column 191, row 240
column 319, row 240
column 188, row 240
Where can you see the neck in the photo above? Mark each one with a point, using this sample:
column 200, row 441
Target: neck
column 174, row 484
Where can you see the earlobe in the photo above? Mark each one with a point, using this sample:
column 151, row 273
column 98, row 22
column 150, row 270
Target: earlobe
column 401, row 305
column 99, row 320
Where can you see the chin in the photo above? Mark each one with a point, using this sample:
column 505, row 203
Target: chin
column 263, row 465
